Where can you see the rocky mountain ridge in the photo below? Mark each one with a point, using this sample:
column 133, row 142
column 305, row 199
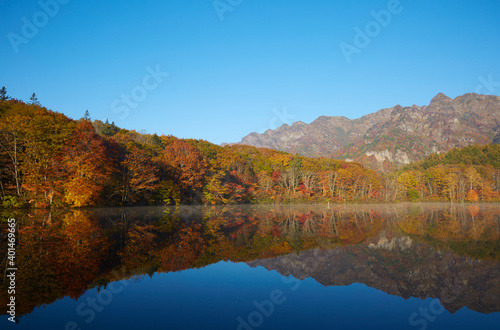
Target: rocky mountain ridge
column 402, row 267
column 394, row 136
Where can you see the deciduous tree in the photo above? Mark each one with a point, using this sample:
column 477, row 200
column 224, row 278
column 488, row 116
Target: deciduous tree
column 87, row 166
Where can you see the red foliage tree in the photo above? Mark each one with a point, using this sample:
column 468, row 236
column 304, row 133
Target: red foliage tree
column 187, row 166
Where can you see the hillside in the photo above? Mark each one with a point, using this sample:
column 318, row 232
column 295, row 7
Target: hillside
column 50, row 160
column 391, row 137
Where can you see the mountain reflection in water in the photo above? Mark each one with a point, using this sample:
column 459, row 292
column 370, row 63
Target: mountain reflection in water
column 443, row 251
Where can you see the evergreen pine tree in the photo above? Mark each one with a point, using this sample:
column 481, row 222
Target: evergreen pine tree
column 34, row 100
column 87, row 115
column 3, row 94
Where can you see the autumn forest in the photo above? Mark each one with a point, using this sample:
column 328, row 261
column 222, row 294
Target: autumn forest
column 50, row 160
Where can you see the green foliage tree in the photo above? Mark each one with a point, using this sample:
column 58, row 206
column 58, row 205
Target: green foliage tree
column 109, row 129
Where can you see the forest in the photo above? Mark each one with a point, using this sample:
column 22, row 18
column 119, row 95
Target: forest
column 50, row 160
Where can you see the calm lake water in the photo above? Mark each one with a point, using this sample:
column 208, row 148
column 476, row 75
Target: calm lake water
column 425, row 266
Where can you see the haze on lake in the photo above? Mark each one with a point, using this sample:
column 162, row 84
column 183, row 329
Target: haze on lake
column 244, row 267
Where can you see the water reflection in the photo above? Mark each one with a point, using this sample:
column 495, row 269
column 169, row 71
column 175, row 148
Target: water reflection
column 450, row 252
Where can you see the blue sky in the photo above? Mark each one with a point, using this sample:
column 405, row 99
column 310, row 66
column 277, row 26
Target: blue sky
column 267, row 62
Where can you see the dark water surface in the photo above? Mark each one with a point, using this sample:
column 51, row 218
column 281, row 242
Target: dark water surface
column 429, row 266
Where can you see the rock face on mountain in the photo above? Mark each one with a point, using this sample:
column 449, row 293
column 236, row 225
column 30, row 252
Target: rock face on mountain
column 399, row 266
column 397, row 135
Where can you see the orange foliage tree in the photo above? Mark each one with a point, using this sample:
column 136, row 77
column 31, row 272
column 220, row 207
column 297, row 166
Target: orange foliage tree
column 87, row 165
column 187, row 167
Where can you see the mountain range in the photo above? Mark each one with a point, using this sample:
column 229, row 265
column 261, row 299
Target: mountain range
column 391, row 137
column 399, row 266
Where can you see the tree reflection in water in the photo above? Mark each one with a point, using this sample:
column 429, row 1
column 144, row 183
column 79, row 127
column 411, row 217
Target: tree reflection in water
column 431, row 250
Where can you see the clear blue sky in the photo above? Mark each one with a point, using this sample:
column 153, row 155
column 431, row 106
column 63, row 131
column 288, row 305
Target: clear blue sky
column 230, row 77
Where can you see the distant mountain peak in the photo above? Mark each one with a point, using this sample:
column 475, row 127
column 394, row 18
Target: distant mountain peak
column 393, row 136
column 298, row 123
column 440, row 98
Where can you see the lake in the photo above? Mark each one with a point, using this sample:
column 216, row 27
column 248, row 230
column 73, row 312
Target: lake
column 404, row 266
